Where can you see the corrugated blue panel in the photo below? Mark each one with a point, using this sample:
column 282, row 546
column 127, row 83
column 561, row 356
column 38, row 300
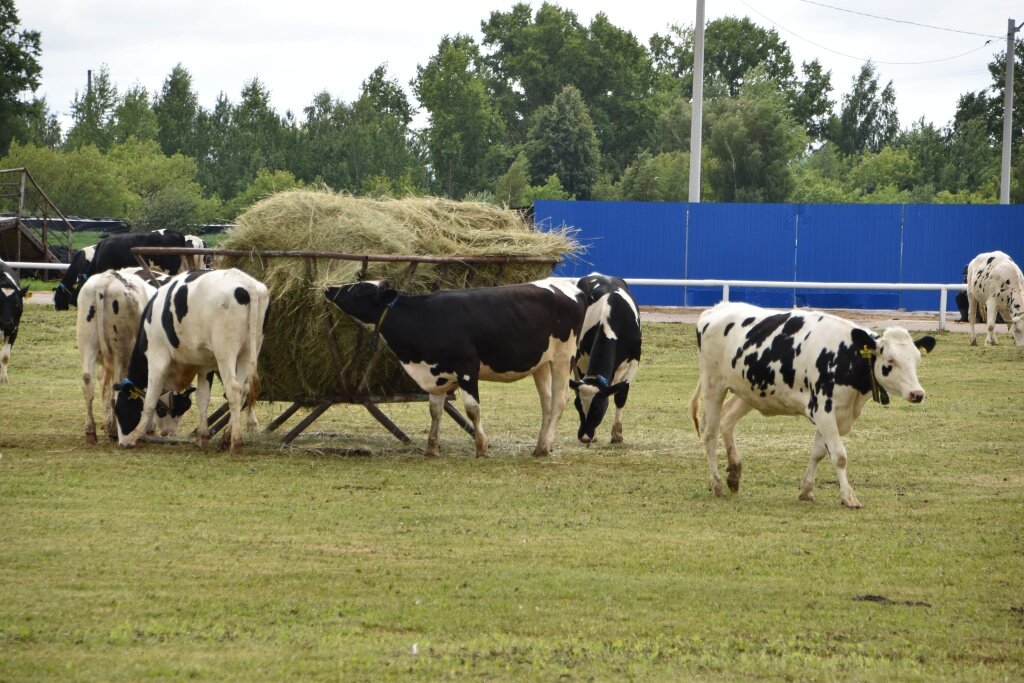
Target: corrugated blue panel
column 625, row 239
column 848, row 243
column 939, row 240
column 741, row 242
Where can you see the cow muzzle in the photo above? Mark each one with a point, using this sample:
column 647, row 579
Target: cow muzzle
column 916, row 396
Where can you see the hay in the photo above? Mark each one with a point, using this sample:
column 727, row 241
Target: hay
column 298, row 362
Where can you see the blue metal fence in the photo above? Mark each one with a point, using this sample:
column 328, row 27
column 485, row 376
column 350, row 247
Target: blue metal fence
column 899, row 243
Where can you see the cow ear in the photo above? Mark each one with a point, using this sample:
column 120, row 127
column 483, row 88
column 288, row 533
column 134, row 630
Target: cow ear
column 119, row 386
column 575, row 384
column 24, row 292
column 926, row 343
column 617, row 388
column 862, row 338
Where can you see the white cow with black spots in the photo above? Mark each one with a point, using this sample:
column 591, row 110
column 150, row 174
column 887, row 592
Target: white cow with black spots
column 199, row 323
column 995, row 283
column 12, row 303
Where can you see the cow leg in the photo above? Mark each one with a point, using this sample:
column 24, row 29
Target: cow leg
column 436, row 410
column 542, row 380
column 810, row 476
column 732, row 412
column 89, row 392
column 713, row 397
column 972, row 311
column 471, row 400
column 992, row 312
column 5, row 358
column 620, row 405
column 837, row 451
column 204, row 384
column 107, row 377
column 233, row 390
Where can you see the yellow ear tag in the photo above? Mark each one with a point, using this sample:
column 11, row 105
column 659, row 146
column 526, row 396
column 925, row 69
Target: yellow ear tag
column 28, row 295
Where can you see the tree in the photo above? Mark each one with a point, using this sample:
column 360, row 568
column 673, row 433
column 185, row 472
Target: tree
column 93, row 113
column 810, row 102
column 40, row 127
column 562, row 142
column 868, row 119
column 754, row 140
column 989, row 108
column 177, row 113
column 465, row 135
column 19, row 73
column 133, row 117
column 511, row 188
column 926, row 146
column 664, row 177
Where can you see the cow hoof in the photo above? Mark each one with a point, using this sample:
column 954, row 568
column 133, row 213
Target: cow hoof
column 90, row 438
column 541, row 453
column 482, row 455
column 616, row 438
column 716, row 489
column 734, row 486
column 852, row 503
column 202, row 441
column 429, row 454
column 974, row 342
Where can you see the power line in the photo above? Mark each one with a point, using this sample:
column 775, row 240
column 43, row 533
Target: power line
column 899, row 21
column 864, row 59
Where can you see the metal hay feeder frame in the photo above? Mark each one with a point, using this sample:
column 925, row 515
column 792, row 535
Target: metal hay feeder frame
column 320, row 404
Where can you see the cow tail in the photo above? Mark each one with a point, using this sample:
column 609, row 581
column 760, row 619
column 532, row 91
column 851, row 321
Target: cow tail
column 694, row 404
column 257, row 311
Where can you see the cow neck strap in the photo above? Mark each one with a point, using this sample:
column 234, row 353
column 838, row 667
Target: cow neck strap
column 600, row 379
column 64, row 287
column 380, row 322
column 869, row 354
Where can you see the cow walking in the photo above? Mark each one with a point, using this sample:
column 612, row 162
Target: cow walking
column 796, row 363
column 12, row 304
column 199, row 323
column 996, row 285
column 609, row 353
column 452, row 339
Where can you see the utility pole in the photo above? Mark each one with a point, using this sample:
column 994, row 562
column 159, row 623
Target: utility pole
column 1004, row 170
column 696, row 120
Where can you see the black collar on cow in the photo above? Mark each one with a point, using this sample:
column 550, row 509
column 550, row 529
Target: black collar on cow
column 878, row 394
column 380, row 321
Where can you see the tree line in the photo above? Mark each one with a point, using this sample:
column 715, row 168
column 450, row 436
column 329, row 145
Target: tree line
column 542, row 106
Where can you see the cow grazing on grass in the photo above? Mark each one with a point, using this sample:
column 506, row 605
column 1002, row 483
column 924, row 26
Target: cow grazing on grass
column 796, row 363
column 452, row 339
column 609, row 353
column 108, row 321
column 12, row 303
column 199, row 323
column 996, row 285
column 66, row 293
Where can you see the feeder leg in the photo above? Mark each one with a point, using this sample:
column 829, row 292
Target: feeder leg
column 283, row 417
column 379, row 415
column 306, row 421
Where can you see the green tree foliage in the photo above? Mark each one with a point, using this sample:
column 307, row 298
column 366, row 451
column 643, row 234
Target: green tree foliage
column 664, row 177
column 177, row 114
column 19, row 74
column 868, row 119
column 510, row 189
column 263, row 185
column 40, row 127
column 987, row 104
column 973, row 160
column 810, row 102
column 532, row 57
column 551, row 189
column 888, row 168
column 92, row 113
column 465, row 135
column 562, row 142
column 753, row 139
column 926, row 145
column 672, row 128
column 134, row 117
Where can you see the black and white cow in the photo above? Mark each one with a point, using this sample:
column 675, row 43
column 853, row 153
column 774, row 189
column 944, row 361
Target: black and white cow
column 995, row 284
column 200, row 322
column 796, row 363
column 452, row 339
column 106, row 329
column 66, row 293
column 609, row 353
column 115, row 251
column 195, row 261
column 12, row 303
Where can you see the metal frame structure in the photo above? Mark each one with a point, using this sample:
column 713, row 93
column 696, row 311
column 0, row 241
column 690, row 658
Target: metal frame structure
column 31, row 202
column 318, row 405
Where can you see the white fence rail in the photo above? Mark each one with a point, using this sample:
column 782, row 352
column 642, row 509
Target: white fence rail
column 724, row 284
column 770, row 284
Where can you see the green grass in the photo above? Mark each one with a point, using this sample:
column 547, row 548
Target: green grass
column 606, row 563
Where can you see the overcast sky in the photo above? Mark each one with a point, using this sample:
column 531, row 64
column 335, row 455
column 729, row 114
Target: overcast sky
column 302, row 47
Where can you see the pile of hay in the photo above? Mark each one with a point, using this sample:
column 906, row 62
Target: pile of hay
column 298, row 361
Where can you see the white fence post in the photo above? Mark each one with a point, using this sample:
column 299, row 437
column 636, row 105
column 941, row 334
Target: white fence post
column 942, row 309
column 725, row 292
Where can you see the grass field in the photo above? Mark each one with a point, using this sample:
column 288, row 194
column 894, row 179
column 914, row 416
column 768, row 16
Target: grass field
column 606, row 563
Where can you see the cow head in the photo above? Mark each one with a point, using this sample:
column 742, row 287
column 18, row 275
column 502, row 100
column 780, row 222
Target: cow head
column 64, row 297
column 364, row 301
column 895, row 358
column 592, row 394
column 128, row 400
column 1017, row 329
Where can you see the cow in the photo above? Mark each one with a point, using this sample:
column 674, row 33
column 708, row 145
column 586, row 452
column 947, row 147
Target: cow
column 609, row 353
column 66, row 293
column 796, row 363
column 106, row 329
column 452, row 339
column 12, row 303
column 962, row 304
column 115, row 251
column 195, row 261
column 996, row 285
column 200, row 322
